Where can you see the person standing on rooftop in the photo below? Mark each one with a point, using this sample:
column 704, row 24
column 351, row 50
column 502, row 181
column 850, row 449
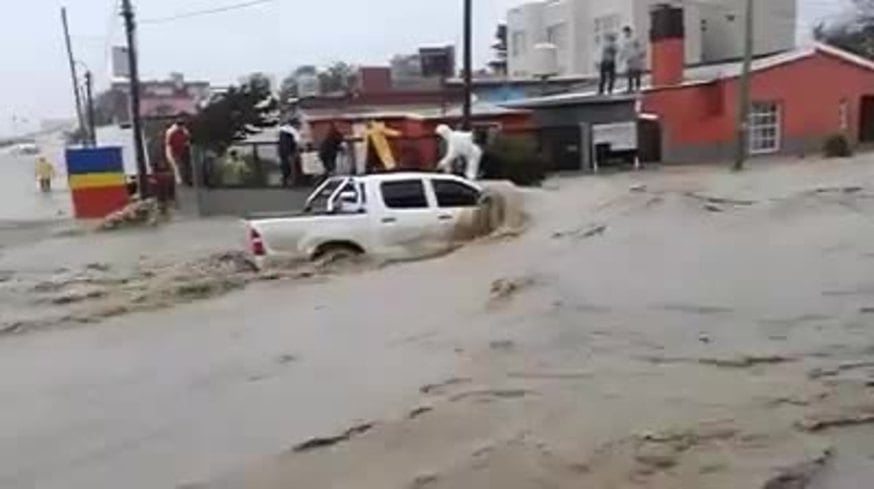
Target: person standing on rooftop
column 609, row 53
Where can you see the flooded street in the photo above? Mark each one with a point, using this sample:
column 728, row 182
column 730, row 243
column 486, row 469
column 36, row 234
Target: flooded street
column 686, row 328
column 19, row 196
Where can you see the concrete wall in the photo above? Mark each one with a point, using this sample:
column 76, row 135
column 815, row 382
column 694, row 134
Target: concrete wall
column 723, row 21
column 524, row 30
column 242, row 202
column 558, row 19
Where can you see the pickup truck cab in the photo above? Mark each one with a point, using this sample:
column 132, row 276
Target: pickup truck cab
column 391, row 216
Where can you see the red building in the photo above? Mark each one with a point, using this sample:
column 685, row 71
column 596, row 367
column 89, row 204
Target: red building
column 799, row 98
column 418, row 146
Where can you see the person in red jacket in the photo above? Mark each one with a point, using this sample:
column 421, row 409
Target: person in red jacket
column 177, row 157
column 177, row 150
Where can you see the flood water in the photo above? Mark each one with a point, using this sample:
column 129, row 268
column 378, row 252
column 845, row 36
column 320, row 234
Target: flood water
column 20, row 199
column 681, row 329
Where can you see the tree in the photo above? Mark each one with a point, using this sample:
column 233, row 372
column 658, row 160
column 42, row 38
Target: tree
column 234, row 115
column 289, row 87
column 340, row 77
column 111, row 107
column 499, row 63
column 854, row 33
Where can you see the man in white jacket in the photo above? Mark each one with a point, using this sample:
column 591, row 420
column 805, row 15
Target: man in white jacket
column 459, row 144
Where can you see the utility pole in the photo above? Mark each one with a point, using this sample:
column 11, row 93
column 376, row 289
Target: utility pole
column 127, row 11
column 89, row 103
column 468, row 64
column 76, row 93
column 743, row 110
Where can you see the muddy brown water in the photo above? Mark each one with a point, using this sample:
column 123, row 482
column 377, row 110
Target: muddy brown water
column 677, row 347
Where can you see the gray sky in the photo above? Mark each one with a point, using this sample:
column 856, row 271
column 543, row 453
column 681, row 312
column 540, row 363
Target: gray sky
column 273, row 38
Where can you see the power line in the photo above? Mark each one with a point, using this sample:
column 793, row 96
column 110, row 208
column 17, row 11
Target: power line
column 200, row 13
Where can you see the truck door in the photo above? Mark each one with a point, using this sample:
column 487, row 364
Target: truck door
column 457, row 210
column 408, row 226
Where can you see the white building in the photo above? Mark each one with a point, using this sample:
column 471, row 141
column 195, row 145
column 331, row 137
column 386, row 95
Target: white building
column 714, row 30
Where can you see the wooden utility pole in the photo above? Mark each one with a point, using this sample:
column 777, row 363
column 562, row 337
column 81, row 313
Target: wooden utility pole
column 89, row 103
column 743, row 109
column 468, row 64
column 76, row 94
column 127, row 11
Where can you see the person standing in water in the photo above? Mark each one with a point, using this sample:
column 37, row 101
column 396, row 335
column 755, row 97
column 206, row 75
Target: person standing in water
column 44, row 172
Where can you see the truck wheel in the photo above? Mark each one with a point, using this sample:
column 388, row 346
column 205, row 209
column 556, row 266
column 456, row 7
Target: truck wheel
column 336, row 253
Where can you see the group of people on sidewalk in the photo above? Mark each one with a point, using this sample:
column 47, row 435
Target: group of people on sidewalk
column 292, row 148
column 378, row 155
column 631, row 52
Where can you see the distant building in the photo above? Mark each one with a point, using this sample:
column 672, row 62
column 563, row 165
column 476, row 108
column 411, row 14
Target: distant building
column 158, row 98
column 714, row 30
column 424, row 70
column 689, row 114
column 406, row 70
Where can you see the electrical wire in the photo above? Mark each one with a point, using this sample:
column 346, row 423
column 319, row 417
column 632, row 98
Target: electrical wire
column 200, row 13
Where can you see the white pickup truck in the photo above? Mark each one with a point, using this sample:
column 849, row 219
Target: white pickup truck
column 390, row 216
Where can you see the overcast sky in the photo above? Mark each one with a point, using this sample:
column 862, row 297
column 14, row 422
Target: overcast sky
column 273, row 37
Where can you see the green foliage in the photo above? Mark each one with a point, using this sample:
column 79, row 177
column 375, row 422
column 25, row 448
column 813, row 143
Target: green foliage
column 837, row 146
column 236, row 114
column 514, row 158
column 338, row 78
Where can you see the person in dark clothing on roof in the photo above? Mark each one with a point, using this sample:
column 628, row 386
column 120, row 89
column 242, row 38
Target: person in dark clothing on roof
column 607, row 66
column 634, row 56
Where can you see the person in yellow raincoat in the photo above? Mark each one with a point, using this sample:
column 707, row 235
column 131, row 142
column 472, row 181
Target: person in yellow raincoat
column 378, row 150
column 44, row 172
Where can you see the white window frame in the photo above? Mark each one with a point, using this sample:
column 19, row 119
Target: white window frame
column 765, row 115
column 844, row 115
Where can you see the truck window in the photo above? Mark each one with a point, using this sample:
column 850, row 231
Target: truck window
column 455, row 194
column 404, row 194
column 319, row 202
column 343, row 204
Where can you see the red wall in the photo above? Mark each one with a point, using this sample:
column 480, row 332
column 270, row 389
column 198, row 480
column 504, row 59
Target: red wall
column 374, row 79
column 417, row 146
column 809, row 92
column 668, row 61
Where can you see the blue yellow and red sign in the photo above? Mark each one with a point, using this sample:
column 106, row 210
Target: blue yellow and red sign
column 97, row 181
